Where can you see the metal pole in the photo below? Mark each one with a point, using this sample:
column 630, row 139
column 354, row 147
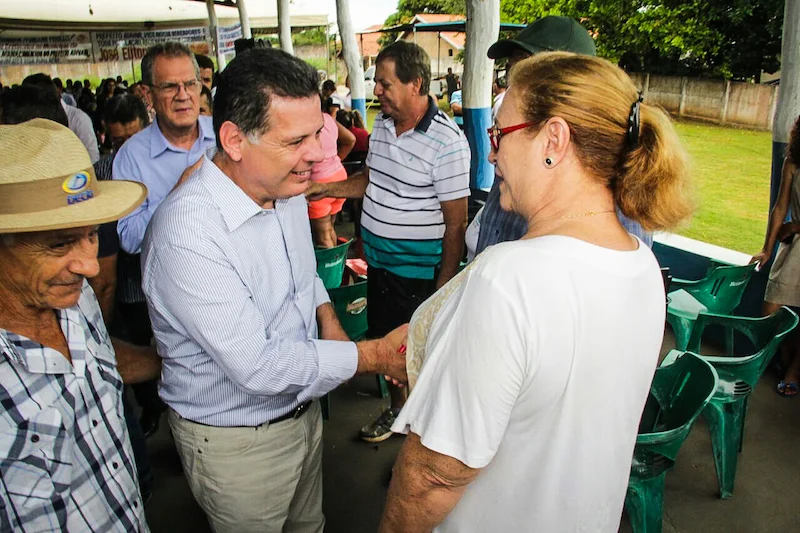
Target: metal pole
column 285, row 27
column 327, row 51
column 213, row 24
column 244, row 19
column 438, row 53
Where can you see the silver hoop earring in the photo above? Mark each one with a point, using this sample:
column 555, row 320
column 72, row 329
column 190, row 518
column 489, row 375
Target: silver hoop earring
column 548, row 162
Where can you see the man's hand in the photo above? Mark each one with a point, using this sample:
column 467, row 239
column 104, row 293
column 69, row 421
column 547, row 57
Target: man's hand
column 316, row 191
column 385, row 356
column 188, row 172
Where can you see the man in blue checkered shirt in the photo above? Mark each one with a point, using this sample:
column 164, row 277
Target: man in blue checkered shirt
column 65, row 456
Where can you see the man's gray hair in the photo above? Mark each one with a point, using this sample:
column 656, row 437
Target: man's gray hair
column 170, row 50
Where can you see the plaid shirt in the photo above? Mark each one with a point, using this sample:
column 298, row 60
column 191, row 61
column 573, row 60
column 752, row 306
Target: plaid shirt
column 502, row 226
column 65, row 458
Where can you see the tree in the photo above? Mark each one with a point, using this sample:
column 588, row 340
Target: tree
column 721, row 38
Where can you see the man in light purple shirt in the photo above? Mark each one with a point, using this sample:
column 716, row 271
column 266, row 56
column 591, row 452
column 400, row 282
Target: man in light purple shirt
column 242, row 320
column 156, row 157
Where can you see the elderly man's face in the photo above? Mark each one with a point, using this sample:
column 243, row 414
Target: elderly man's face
column 46, row 269
column 393, row 95
column 279, row 164
column 177, row 106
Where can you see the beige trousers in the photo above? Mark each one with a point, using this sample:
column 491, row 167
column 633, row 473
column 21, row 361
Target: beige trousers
column 266, row 479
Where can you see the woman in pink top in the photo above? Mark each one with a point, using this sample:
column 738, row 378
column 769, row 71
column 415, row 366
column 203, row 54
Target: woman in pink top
column 336, row 143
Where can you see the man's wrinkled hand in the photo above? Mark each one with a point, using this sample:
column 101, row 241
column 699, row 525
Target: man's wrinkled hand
column 315, row 191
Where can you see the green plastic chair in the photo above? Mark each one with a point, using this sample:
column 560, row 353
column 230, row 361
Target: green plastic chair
column 678, row 394
column 738, row 376
column 718, row 293
column 330, row 264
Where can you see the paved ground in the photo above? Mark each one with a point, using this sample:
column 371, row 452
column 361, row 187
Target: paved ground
column 356, row 474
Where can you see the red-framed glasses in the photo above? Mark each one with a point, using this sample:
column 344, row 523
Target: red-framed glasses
column 495, row 133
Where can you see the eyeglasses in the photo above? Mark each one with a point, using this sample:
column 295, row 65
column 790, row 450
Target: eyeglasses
column 495, row 133
column 172, row 89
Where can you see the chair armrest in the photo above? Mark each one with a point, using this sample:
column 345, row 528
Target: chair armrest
column 734, row 323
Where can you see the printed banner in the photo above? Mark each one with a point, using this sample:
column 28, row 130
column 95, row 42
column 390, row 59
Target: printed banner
column 226, row 35
column 66, row 48
column 132, row 45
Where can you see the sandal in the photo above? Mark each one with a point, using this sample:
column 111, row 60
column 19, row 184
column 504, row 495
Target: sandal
column 789, row 389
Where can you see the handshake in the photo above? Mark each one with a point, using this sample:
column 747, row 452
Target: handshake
column 385, row 356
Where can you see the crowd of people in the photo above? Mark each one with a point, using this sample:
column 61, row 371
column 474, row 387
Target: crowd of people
column 518, row 379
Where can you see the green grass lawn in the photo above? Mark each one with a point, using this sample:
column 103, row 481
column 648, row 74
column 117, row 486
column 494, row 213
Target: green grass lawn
column 731, row 174
column 731, row 170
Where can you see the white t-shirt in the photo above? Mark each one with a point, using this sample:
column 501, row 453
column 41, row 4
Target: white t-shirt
column 538, row 359
column 471, row 235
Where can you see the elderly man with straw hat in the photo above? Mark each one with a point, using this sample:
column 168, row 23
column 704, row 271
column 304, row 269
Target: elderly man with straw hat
column 65, row 456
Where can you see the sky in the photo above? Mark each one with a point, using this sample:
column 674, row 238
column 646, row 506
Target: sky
column 363, row 13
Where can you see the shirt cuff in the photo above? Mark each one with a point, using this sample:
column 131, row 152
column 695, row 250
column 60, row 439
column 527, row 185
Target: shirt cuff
column 338, row 362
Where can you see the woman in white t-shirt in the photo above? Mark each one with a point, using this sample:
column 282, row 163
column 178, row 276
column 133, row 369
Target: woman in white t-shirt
column 530, row 369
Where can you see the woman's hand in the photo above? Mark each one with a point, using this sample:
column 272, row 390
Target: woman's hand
column 762, row 257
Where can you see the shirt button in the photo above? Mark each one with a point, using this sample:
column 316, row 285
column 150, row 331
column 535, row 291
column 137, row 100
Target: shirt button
column 136, row 505
column 35, row 439
column 94, row 423
column 114, row 465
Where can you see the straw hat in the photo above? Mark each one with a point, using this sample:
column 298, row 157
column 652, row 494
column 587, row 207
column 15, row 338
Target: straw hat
column 47, row 181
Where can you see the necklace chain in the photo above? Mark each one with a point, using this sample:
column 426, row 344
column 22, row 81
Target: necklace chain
column 586, row 214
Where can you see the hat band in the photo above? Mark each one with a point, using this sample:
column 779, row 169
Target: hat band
column 45, row 195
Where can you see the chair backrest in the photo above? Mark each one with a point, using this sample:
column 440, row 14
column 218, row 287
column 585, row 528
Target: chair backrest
column 330, row 264
column 350, row 304
column 742, row 372
column 722, row 290
column 678, row 394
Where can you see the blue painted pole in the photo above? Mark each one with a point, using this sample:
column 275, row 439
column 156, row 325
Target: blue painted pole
column 360, row 104
column 476, row 122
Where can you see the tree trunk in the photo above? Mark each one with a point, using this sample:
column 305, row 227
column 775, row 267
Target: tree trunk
column 352, row 58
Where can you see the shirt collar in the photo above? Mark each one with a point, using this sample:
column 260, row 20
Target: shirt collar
column 425, row 123
column 234, row 205
column 159, row 143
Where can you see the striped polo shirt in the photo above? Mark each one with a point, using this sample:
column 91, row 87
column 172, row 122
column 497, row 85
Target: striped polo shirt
column 409, row 176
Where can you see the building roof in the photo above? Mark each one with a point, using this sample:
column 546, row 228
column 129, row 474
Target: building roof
column 368, row 42
column 456, row 39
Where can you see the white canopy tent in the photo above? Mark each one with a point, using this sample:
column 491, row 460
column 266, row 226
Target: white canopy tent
column 111, row 15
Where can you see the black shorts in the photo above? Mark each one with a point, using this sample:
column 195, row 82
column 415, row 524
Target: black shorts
column 392, row 299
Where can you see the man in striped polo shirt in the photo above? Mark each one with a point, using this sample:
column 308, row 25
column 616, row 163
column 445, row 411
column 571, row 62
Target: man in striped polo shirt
column 415, row 190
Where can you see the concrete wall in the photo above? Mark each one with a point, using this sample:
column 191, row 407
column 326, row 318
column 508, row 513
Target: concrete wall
column 441, row 59
column 722, row 102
